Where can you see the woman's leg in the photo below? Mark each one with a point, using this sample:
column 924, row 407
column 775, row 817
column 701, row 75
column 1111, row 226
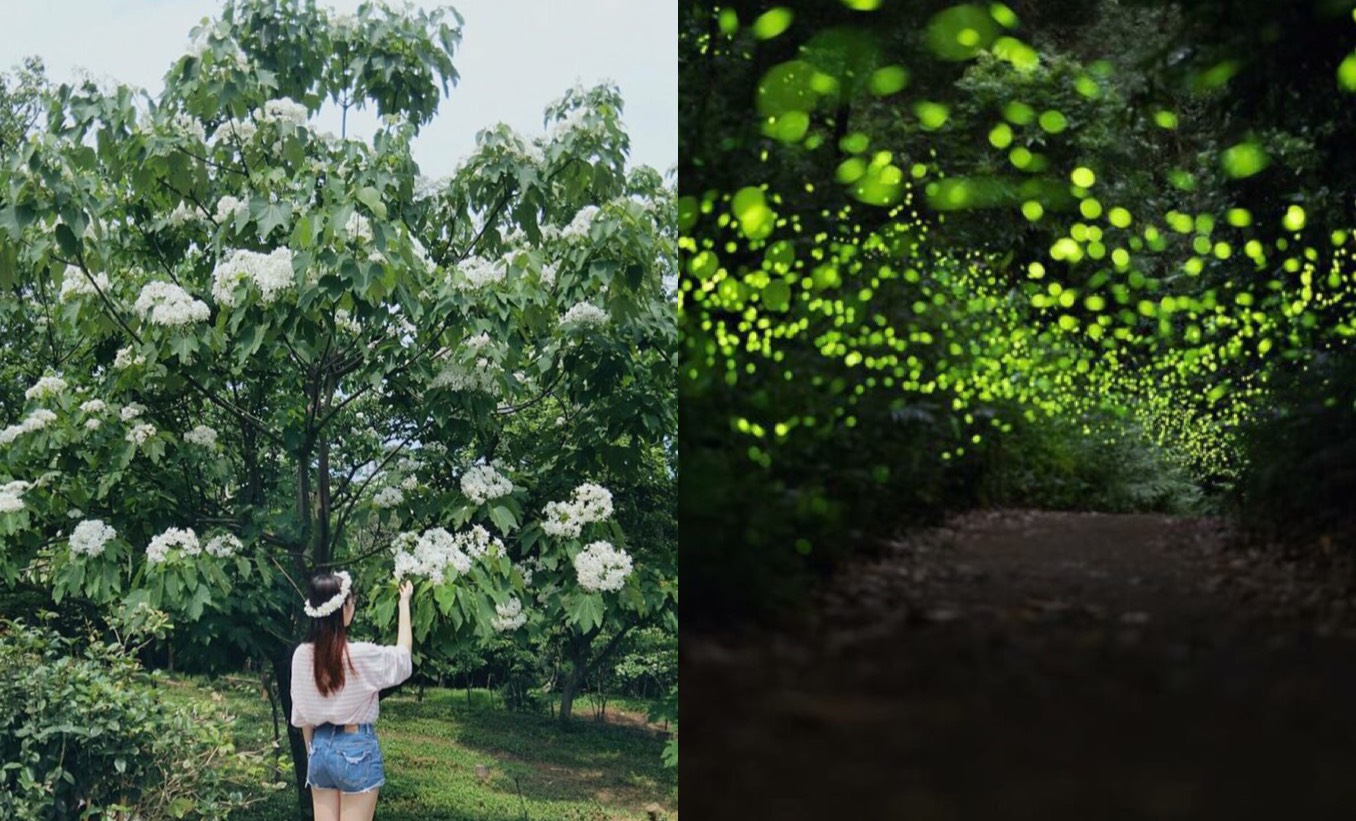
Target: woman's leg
column 357, row 806
column 326, row 803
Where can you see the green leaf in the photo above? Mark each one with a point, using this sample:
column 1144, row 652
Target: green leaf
column 269, row 215
column 503, row 519
column 370, row 197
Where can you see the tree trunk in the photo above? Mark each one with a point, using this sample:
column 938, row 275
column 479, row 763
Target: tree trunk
column 578, row 651
column 282, row 674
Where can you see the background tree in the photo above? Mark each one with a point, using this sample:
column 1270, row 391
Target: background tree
column 269, row 351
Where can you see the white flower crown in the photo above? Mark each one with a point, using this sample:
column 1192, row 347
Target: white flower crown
column 335, row 602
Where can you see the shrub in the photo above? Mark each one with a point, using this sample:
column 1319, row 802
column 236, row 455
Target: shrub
column 83, row 734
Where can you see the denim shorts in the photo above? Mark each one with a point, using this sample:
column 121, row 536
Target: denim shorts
column 347, row 762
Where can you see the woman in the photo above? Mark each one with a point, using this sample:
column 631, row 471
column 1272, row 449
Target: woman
column 335, row 685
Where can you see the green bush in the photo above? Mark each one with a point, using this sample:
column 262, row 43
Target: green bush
column 1113, row 467
column 83, row 734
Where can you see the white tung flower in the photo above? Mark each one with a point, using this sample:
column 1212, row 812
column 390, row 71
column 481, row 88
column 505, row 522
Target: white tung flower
column 478, row 341
column 242, row 130
column 90, row 537
column 579, row 226
column 602, row 567
column 229, row 209
column 92, row 424
column 271, row 273
column 344, row 321
column 284, row 111
column 509, row 615
column 584, row 314
column 388, row 497
column 477, row 273
column 139, row 434
column 74, row 283
column 183, row 214
column 165, row 303
column 131, row 411
column 46, row 387
column 183, row 538
column 358, row 227
column 11, row 503
column 202, row 435
column 189, row 126
column 37, row 420
column 437, row 552
column 482, row 377
column 223, row 545
column 589, row 503
column 482, row 483
column 124, row 359
column 93, row 406
column 548, row 275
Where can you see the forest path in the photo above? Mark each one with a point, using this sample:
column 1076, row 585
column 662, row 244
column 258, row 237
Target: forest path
column 1031, row 665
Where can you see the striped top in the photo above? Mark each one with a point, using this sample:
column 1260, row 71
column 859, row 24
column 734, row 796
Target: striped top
column 375, row 667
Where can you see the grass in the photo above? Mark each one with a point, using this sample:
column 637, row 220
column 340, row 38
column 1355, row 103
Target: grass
column 590, row 772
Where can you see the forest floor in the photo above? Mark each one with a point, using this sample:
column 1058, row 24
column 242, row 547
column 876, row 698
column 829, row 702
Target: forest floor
column 1030, row 665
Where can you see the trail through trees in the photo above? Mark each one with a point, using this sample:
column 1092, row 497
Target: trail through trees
column 1033, row 665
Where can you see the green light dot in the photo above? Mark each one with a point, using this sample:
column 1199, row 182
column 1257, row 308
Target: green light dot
column 1346, row 72
column 1019, row 113
column 931, row 116
column 888, row 80
column 1032, row 210
column 1001, row 136
column 1165, row 119
column 1053, row 121
column 1083, row 177
column 862, row 5
column 772, row 23
column 1294, row 218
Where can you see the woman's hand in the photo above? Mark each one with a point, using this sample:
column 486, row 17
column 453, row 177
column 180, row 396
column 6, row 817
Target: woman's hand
column 406, row 590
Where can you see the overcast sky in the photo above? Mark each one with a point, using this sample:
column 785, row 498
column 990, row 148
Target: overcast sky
column 515, row 57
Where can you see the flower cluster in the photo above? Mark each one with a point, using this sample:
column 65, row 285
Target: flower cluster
column 165, row 303
column 600, row 566
column 11, row 496
column 590, row 503
column 183, row 538
column 131, row 411
column 183, row 214
column 75, row 283
column 46, row 387
column 37, row 420
column 242, row 130
column 124, row 359
column 223, row 545
column 483, row 376
column 344, row 321
column 509, row 615
column 202, row 435
column 478, row 272
column 482, row 483
column 475, row 343
column 229, row 209
column 389, row 496
column 572, row 121
column 584, row 314
column 548, row 275
column 93, row 406
column 284, row 111
column 358, row 227
column 271, row 272
column 579, row 226
column 140, row 433
column 433, row 553
column 189, row 126
column 90, row 537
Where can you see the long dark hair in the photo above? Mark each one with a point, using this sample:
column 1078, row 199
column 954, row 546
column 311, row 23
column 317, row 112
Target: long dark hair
column 329, row 634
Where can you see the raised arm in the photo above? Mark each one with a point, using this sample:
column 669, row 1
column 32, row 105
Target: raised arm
column 405, row 636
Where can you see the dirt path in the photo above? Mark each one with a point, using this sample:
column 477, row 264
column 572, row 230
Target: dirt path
column 1045, row 666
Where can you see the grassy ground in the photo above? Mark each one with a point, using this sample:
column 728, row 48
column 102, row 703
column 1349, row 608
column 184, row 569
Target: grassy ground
column 593, row 772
